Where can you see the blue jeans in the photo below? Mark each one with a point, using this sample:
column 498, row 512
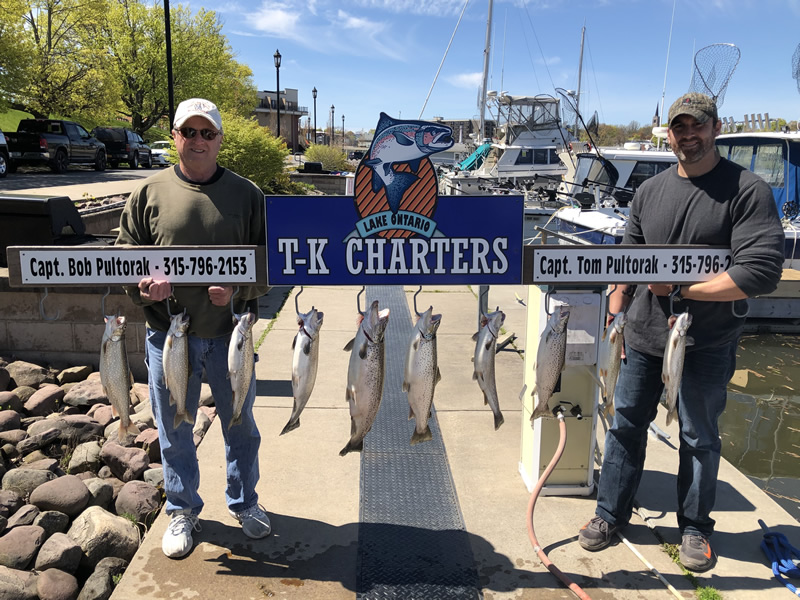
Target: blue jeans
column 178, row 452
column 701, row 400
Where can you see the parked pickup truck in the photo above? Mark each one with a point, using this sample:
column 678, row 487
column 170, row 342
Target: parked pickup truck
column 55, row 143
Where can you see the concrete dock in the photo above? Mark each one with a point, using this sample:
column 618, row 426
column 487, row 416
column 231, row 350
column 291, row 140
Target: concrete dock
column 314, row 497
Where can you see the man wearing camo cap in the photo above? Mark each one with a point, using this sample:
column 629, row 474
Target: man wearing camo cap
column 704, row 199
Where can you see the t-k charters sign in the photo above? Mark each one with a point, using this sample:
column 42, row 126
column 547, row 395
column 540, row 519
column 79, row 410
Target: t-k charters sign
column 395, row 229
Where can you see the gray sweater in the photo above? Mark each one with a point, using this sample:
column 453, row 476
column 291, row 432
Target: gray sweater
column 728, row 206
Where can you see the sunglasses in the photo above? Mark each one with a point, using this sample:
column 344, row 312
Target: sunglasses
column 206, row 134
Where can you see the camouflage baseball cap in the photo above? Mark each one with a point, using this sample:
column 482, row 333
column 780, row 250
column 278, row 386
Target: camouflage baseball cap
column 699, row 106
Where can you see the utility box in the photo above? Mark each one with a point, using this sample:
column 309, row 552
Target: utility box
column 28, row 220
column 578, row 392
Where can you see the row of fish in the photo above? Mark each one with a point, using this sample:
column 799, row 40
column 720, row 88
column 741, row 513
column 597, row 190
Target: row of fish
column 551, row 355
column 365, row 374
column 116, row 378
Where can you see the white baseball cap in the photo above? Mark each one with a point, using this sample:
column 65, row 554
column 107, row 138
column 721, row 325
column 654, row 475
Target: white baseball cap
column 197, row 107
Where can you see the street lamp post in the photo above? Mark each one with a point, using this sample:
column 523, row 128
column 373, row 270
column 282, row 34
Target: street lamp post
column 342, row 133
column 314, row 93
column 277, row 57
column 333, row 126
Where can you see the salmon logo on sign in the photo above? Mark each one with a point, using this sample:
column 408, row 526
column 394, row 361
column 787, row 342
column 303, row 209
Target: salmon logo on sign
column 395, row 185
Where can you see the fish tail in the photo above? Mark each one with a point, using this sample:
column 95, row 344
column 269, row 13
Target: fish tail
column 418, row 437
column 498, row 420
column 352, row 447
column 124, row 431
column 290, row 426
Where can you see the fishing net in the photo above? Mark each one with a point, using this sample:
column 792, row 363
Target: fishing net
column 713, row 67
column 796, row 66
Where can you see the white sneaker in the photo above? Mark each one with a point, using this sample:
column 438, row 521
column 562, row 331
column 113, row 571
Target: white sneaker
column 177, row 540
column 254, row 520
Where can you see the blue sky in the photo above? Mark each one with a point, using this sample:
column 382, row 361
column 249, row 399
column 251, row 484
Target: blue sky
column 368, row 56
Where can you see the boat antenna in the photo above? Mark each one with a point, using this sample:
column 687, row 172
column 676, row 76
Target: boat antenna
column 713, row 68
column 666, row 66
column 441, row 64
column 486, row 54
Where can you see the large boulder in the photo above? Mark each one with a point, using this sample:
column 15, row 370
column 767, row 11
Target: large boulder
column 19, row 545
column 85, row 458
column 54, row 584
column 25, row 373
column 100, row 534
column 24, row 481
column 16, row 584
column 126, row 464
column 100, row 583
column 138, row 499
column 44, row 401
column 67, row 494
column 59, row 552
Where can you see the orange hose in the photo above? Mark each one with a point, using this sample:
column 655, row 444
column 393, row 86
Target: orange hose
column 562, row 442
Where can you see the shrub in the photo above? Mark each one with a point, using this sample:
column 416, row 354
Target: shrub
column 332, row 159
column 252, row 151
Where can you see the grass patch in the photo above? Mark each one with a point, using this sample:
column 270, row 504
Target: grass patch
column 702, row 593
column 263, row 335
column 9, row 120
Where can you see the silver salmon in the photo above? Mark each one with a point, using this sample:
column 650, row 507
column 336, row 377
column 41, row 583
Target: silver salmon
column 485, row 350
column 176, row 367
column 304, row 363
column 609, row 357
column 550, row 358
column 365, row 375
column 115, row 374
column 672, row 369
column 241, row 363
column 422, row 374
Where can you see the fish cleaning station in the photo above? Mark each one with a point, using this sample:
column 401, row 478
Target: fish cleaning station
column 442, row 503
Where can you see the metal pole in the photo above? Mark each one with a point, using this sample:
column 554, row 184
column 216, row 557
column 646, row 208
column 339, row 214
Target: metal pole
column 333, row 126
column 486, row 52
column 578, row 95
column 278, row 89
column 170, row 90
column 314, row 93
column 342, row 133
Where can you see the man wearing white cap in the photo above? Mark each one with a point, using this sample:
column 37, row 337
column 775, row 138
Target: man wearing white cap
column 704, row 199
column 197, row 202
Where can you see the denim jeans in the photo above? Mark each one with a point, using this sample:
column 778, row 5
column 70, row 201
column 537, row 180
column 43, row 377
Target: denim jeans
column 178, row 452
column 701, row 400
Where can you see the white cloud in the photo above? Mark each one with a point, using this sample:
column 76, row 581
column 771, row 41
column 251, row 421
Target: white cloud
column 436, row 8
column 276, row 18
column 466, row 80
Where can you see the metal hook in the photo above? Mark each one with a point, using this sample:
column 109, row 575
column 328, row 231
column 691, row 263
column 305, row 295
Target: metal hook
column 614, row 289
column 41, row 308
column 415, row 301
column 746, row 312
column 358, row 301
column 296, row 306
column 103, row 302
column 235, row 291
column 547, row 301
column 672, row 295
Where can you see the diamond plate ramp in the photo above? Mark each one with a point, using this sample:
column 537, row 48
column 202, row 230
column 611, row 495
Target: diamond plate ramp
column 413, row 544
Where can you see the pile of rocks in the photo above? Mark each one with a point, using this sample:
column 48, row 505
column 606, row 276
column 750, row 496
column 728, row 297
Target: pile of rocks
column 76, row 497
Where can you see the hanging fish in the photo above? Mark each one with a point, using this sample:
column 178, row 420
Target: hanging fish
column 672, row 369
column 365, row 375
column 115, row 373
column 609, row 357
column 241, row 363
column 305, row 361
column 550, row 357
column 422, row 374
column 485, row 350
column 176, row 367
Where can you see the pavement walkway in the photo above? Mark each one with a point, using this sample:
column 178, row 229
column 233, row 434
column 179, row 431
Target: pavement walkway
column 314, row 496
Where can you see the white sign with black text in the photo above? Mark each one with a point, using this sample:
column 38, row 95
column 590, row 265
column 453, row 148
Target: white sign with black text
column 554, row 264
column 121, row 265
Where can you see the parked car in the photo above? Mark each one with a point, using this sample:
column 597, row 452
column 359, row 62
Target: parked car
column 124, row 145
column 3, row 156
column 356, row 154
column 160, row 152
column 55, row 143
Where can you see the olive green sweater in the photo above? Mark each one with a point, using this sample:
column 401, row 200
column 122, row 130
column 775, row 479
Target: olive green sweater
column 166, row 210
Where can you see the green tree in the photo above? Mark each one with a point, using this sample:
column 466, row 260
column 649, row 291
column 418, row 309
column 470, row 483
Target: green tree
column 67, row 74
column 203, row 61
column 15, row 59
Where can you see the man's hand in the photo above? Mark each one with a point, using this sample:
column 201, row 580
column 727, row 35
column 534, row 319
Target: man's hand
column 155, row 290
column 661, row 289
column 220, row 295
